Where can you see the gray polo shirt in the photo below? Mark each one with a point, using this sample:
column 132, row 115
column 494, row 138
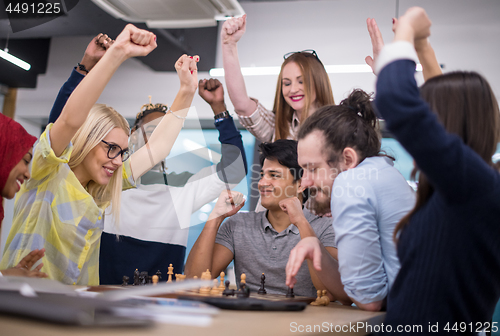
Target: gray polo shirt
column 258, row 248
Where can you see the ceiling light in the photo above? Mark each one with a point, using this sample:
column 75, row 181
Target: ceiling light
column 275, row 70
column 13, row 59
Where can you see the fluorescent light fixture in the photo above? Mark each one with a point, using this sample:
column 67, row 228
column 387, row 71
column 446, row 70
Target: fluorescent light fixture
column 275, row 70
column 13, row 59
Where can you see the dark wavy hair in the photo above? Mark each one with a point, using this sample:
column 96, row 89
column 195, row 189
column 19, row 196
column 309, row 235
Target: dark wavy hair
column 285, row 152
column 466, row 106
column 353, row 124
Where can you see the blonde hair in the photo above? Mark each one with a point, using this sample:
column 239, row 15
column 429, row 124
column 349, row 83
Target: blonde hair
column 315, row 79
column 100, row 121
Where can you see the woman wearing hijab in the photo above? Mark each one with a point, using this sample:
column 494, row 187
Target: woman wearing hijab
column 15, row 157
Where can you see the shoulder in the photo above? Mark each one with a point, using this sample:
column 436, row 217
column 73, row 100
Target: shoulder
column 245, row 218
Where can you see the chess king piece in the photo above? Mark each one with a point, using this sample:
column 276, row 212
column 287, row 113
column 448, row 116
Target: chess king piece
column 125, row 280
column 262, row 290
column 170, row 273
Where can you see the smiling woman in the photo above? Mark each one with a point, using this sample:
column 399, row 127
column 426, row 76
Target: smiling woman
column 303, row 86
column 80, row 167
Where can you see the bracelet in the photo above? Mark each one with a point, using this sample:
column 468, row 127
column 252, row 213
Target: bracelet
column 178, row 117
column 82, row 68
column 223, row 115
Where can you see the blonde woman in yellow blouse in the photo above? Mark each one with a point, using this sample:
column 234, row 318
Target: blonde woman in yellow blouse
column 80, row 167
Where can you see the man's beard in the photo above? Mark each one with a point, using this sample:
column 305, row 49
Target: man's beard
column 318, row 207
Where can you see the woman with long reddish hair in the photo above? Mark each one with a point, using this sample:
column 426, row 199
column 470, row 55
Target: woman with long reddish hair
column 303, row 87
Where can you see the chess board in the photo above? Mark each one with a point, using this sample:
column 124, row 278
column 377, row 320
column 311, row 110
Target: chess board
column 276, row 302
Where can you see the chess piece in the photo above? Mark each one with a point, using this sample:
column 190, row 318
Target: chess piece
column 318, row 299
column 205, row 276
column 290, row 294
column 215, row 289
column 158, row 273
column 136, row 277
column 243, row 278
column 143, row 278
column 244, row 291
column 195, row 277
column 262, row 290
column 155, row 279
column 125, row 280
column 227, row 291
column 170, row 273
column 325, row 298
column 221, row 286
column 180, row 277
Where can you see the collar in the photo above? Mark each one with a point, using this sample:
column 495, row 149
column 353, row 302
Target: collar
column 266, row 225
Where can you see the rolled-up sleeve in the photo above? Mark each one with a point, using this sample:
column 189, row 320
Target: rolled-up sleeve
column 361, row 263
column 261, row 123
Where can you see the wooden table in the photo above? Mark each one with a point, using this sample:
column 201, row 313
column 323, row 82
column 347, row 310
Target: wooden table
column 235, row 323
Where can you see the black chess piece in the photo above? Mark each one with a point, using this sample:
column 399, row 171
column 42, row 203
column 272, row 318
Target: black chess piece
column 125, row 280
column 158, row 273
column 262, row 290
column 137, row 281
column 143, row 278
column 227, row 291
column 244, row 291
column 290, row 294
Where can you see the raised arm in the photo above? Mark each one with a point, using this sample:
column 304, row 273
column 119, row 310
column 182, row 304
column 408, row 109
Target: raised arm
column 164, row 135
column 425, row 53
column 232, row 31
column 130, row 43
column 205, row 254
column 94, row 52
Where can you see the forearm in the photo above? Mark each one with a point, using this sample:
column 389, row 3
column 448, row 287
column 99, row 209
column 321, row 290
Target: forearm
column 201, row 256
column 164, row 136
column 427, row 57
column 88, row 91
column 329, row 277
column 62, row 97
column 235, row 83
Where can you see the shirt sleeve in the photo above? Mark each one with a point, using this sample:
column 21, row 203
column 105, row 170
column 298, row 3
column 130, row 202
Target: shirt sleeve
column 357, row 236
column 325, row 232
column 128, row 179
column 62, row 97
column 225, row 235
column 45, row 162
column 261, row 123
column 452, row 167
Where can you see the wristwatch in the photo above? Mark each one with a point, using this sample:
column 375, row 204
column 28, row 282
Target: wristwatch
column 221, row 116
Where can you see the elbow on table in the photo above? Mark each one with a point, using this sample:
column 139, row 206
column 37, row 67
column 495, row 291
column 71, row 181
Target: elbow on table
column 372, row 306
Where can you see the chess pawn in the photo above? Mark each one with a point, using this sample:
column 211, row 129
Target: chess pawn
column 325, row 298
column 158, row 273
column 221, row 286
column 243, row 278
column 125, row 280
column 318, row 298
column 215, row 289
column 155, row 279
column 227, row 291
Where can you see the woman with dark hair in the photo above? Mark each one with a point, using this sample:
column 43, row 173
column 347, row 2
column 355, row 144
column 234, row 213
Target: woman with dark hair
column 303, row 87
column 15, row 157
column 448, row 244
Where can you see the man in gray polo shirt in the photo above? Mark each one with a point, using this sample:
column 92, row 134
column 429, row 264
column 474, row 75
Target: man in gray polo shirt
column 260, row 242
